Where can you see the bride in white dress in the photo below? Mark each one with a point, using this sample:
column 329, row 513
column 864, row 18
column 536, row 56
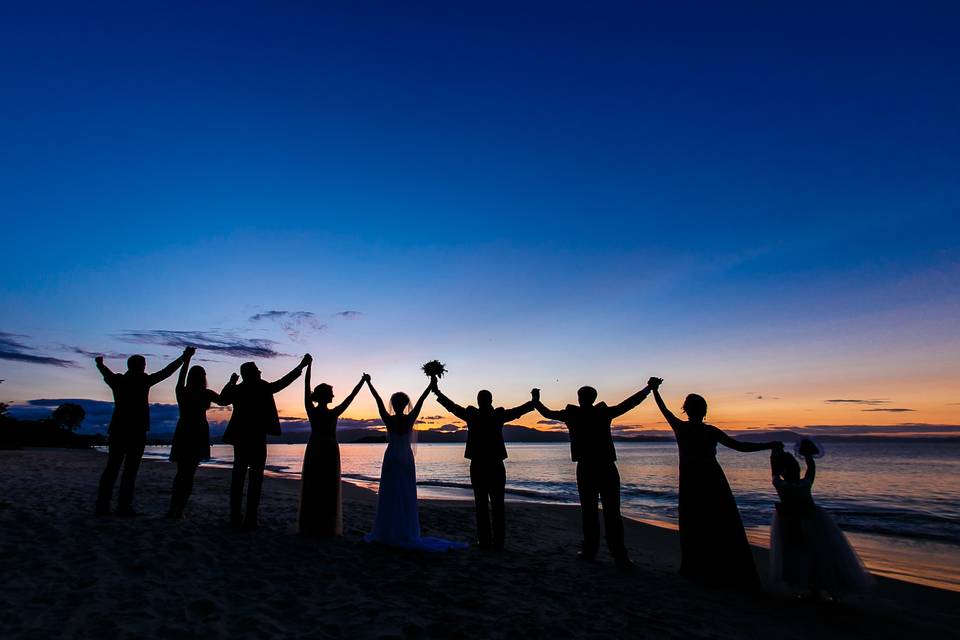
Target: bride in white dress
column 397, row 522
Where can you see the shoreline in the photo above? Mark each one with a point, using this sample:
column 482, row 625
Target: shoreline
column 917, row 561
column 150, row 576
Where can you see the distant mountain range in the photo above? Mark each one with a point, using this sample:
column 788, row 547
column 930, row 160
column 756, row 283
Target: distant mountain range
column 297, row 430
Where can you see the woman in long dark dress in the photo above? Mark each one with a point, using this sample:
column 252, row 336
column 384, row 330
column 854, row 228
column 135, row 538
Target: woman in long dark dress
column 713, row 544
column 191, row 439
column 320, row 502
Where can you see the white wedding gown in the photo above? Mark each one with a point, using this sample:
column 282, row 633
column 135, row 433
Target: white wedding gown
column 397, row 522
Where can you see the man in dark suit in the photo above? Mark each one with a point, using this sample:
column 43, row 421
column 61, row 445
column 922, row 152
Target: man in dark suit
column 127, row 434
column 254, row 418
column 486, row 452
column 591, row 447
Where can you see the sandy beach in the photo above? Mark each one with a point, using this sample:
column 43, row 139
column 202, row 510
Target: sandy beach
column 70, row 574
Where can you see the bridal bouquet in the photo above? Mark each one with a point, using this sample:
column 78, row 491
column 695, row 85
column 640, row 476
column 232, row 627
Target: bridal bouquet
column 434, row 368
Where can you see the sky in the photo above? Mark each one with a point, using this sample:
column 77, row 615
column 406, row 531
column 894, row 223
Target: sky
column 757, row 202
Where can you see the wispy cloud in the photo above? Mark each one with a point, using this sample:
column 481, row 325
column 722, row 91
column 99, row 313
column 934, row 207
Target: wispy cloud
column 348, row 314
column 12, row 348
column 296, row 324
column 111, row 355
column 849, row 401
column 550, row 422
column 891, row 410
column 217, row 341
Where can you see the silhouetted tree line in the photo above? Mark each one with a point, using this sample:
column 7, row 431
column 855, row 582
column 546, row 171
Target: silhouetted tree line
column 59, row 430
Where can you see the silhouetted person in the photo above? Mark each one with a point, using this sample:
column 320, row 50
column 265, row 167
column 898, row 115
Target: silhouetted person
column 713, row 544
column 808, row 551
column 254, row 418
column 397, row 520
column 191, row 438
column 127, row 434
column 321, row 511
column 486, row 452
column 591, row 447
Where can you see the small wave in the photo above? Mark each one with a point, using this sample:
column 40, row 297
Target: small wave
column 880, row 520
column 633, row 491
column 544, row 496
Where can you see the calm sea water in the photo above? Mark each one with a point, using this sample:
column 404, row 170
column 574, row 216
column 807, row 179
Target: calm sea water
column 899, row 502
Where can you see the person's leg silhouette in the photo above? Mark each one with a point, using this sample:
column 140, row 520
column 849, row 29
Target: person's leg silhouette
column 109, row 477
column 257, row 461
column 589, row 513
column 497, row 488
column 612, row 520
column 182, row 487
column 133, row 454
column 480, row 481
column 237, row 479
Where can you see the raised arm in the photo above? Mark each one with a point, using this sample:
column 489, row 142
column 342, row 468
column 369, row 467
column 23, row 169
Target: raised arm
column 671, row 419
column 543, row 410
column 745, row 447
column 340, row 408
column 287, row 380
column 417, row 407
column 225, row 397
column 108, row 375
column 376, row 396
column 447, row 403
column 518, row 411
column 307, row 402
column 631, row 402
column 167, row 371
column 182, row 378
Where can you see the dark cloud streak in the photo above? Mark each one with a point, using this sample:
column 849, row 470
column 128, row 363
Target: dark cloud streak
column 216, row 341
column 111, row 355
column 11, row 348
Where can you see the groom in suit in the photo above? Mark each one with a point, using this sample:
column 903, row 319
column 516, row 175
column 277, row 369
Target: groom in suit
column 254, row 418
column 486, row 452
column 591, row 447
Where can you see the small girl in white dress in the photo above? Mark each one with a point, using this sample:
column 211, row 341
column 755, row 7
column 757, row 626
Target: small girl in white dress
column 808, row 550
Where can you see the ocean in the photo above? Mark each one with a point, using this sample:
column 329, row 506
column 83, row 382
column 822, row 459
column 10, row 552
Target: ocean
column 898, row 502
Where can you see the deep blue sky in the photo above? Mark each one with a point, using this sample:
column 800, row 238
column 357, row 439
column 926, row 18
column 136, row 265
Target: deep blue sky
column 746, row 198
